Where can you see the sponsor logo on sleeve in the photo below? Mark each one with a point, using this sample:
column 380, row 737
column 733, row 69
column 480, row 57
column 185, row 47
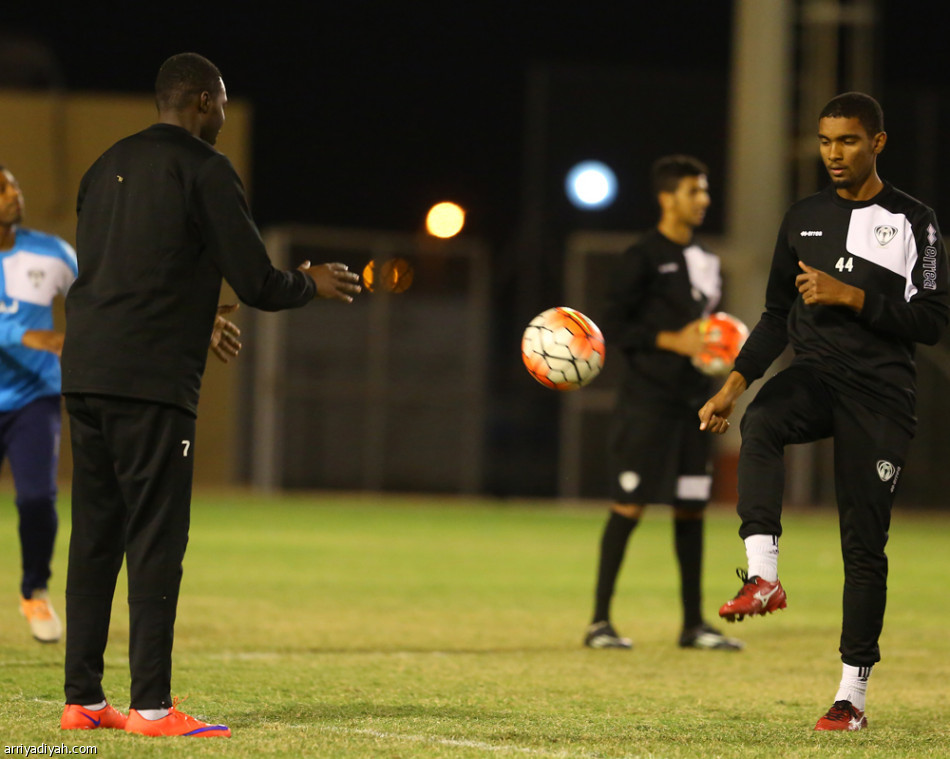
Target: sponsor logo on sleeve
column 929, row 265
column 812, row 233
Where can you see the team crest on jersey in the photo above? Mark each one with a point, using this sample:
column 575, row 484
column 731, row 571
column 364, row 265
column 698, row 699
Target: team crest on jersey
column 885, row 233
column 36, row 276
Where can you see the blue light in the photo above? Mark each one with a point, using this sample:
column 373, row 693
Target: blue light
column 591, row 185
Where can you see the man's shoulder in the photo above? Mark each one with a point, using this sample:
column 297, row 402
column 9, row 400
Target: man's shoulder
column 44, row 243
column 898, row 201
column 648, row 243
column 809, row 202
column 167, row 138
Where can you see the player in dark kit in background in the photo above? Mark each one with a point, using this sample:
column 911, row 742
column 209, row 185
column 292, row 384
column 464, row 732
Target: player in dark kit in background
column 859, row 275
column 665, row 285
column 162, row 218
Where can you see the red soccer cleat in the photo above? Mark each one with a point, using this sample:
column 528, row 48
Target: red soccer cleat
column 756, row 596
column 843, row 716
column 76, row 717
column 175, row 723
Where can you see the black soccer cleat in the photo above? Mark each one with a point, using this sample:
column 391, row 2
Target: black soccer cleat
column 603, row 635
column 709, row 638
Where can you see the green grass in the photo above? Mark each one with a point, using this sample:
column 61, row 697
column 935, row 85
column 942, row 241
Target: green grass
column 372, row 626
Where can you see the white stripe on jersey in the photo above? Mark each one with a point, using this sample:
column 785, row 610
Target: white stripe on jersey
column 898, row 254
column 703, row 269
column 35, row 278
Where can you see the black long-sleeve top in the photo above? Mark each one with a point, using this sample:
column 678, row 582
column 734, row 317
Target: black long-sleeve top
column 888, row 246
column 162, row 217
column 659, row 285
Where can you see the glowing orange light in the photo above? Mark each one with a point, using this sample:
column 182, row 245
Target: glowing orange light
column 394, row 275
column 445, row 220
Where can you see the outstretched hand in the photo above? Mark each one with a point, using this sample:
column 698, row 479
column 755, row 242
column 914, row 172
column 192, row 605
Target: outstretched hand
column 224, row 336
column 334, row 281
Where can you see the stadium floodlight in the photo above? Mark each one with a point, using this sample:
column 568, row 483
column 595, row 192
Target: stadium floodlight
column 591, row 185
column 445, row 220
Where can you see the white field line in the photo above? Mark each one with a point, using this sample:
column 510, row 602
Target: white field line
column 461, row 743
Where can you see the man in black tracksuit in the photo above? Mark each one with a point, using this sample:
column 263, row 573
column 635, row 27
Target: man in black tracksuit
column 859, row 275
column 663, row 287
column 162, row 218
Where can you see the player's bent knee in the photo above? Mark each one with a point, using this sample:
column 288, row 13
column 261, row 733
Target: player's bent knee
column 628, row 510
column 760, row 422
column 686, row 515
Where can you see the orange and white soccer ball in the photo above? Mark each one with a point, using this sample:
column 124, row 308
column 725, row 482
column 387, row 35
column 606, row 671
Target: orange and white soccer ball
column 562, row 348
column 723, row 338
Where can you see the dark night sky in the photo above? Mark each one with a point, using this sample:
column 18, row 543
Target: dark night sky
column 368, row 111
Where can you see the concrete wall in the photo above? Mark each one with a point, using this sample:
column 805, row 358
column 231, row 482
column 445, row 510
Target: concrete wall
column 48, row 140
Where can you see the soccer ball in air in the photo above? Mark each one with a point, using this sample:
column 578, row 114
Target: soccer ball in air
column 723, row 337
column 562, row 348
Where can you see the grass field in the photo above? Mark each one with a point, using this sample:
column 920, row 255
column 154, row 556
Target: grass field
column 373, row 626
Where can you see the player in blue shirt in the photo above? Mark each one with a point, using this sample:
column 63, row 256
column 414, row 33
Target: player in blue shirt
column 34, row 269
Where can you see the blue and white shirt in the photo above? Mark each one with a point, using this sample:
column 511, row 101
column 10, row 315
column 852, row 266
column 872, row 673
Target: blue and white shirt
column 34, row 271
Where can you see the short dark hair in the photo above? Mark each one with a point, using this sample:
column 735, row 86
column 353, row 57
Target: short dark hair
column 183, row 77
column 856, row 105
column 669, row 170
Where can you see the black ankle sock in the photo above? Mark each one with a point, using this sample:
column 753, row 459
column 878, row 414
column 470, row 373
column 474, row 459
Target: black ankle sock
column 688, row 539
column 612, row 547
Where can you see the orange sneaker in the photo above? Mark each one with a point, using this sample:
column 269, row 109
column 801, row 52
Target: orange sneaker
column 44, row 624
column 76, row 717
column 174, row 723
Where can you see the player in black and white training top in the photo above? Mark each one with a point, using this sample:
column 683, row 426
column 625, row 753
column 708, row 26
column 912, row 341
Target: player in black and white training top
column 859, row 275
column 664, row 285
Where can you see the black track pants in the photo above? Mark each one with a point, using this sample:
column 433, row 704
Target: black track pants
column 796, row 406
column 132, row 476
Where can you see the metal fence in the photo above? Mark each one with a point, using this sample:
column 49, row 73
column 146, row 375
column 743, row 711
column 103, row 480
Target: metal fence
column 387, row 393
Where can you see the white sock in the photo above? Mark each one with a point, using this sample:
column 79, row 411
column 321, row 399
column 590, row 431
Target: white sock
column 854, row 685
column 153, row 714
column 762, row 552
column 95, row 707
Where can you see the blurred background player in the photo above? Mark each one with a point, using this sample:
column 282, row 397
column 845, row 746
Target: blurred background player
column 666, row 283
column 36, row 268
column 852, row 378
column 162, row 218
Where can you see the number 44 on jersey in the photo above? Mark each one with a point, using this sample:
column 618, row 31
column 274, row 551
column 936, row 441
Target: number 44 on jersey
column 843, row 265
